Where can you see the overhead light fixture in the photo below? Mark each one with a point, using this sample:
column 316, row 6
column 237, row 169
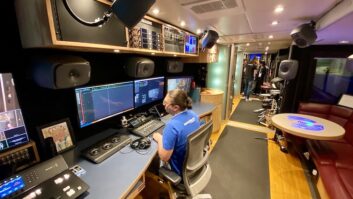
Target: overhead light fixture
column 270, row 36
column 267, row 48
column 279, row 9
column 198, row 31
column 125, row 10
column 350, row 56
column 155, row 11
column 274, row 23
column 269, row 43
column 247, row 44
column 260, row 44
column 182, row 23
column 344, row 42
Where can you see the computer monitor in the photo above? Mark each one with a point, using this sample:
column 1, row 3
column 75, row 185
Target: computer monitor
column 190, row 44
column 12, row 128
column 97, row 103
column 183, row 83
column 148, row 90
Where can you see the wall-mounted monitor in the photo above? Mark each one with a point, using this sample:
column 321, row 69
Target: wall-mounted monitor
column 12, row 128
column 148, row 90
column 190, row 44
column 97, row 103
column 183, row 83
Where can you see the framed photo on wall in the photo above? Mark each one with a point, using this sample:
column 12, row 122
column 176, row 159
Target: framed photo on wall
column 61, row 134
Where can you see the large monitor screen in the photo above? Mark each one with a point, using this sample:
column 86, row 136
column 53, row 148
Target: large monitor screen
column 12, row 128
column 97, row 103
column 148, row 90
column 190, row 44
column 183, row 83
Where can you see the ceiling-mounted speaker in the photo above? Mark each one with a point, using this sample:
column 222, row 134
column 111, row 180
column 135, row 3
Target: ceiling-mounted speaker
column 304, row 35
column 209, row 39
column 175, row 66
column 130, row 12
column 59, row 72
column 139, row 67
column 288, row 69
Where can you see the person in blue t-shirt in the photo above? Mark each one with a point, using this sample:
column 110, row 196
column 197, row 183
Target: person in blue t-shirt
column 172, row 144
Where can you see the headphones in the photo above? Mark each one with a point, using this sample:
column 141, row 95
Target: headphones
column 142, row 143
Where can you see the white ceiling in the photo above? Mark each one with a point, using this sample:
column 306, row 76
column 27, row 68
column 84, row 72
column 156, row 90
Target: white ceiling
column 249, row 21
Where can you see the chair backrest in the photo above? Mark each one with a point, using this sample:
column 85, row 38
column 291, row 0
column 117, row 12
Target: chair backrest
column 196, row 170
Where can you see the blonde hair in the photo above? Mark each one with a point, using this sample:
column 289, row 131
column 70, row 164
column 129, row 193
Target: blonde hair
column 180, row 98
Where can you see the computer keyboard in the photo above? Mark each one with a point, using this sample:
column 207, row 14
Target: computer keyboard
column 148, row 128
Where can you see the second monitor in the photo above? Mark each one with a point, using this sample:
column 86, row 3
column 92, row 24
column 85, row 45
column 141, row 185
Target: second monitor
column 183, row 83
column 148, row 90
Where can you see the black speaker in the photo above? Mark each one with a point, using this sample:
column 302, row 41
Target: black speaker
column 139, row 67
column 142, row 143
column 174, row 66
column 209, row 39
column 130, row 12
column 60, row 72
column 288, row 69
column 304, row 35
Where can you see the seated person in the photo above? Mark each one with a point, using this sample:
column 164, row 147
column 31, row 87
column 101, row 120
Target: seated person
column 172, row 144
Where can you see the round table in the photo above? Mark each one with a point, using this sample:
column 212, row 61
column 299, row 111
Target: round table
column 307, row 126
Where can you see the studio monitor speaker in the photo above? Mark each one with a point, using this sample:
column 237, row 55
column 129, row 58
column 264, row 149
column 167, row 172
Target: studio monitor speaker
column 59, row 72
column 288, row 69
column 139, row 67
column 174, row 66
column 130, row 12
column 304, row 35
column 209, row 39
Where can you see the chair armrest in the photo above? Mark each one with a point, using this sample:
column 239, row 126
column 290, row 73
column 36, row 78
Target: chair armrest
column 170, row 175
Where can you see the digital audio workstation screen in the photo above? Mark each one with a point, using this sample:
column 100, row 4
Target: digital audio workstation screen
column 148, row 90
column 182, row 83
column 101, row 102
column 12, row 128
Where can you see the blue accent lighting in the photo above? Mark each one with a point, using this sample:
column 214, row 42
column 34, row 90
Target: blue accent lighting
column 306, row 124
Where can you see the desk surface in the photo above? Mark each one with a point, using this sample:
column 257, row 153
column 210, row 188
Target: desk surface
column 308, row 126
column 117, row 175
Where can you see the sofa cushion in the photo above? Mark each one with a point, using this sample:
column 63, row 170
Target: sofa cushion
column 337, row 182
column 321, row 152
column 314, row 109
column 339, row 114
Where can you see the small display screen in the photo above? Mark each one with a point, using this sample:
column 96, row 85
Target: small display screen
column 183, row 83
column 190, row 44
column 11, row 186
column 12, row 128
column 148, row 90
column 306, row 124
column 97, row 103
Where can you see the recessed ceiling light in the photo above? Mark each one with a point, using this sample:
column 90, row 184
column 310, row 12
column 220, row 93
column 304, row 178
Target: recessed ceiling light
column 279, row 9
column 266, row 53
column 344, row 42
column 269, row 43
column 247, row 44
column 117, row 51
column 267, row 48
column 270, row 36
column 350, row 56
column 182, row 23
column 260, row 44
column 153, row 53
column 274, row 23
column 155, row 11
column 198, row 31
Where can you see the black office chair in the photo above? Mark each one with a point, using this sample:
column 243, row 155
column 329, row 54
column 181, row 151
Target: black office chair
column 196, row 172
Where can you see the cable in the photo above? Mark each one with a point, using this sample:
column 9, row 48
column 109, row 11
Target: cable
column 98, row 21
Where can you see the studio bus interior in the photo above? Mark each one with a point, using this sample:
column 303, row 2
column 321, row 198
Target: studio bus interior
column 142, row 99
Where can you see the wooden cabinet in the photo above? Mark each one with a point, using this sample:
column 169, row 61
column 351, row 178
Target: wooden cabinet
column 214, row 97
column 48, row 24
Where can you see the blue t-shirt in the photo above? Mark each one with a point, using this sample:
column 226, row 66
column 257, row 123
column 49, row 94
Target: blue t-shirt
column 175, row 136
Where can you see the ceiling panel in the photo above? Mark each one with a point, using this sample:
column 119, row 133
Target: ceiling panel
column 236, row 24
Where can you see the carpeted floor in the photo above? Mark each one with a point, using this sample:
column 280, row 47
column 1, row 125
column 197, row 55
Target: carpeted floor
column 244, row 112
column 239, row 164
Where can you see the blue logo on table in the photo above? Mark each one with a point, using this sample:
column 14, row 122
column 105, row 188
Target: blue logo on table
column 306, row 124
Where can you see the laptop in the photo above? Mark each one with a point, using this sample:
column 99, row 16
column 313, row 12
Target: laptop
column 162, row 113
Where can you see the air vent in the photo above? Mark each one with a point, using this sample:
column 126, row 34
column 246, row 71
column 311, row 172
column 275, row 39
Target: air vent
column 191, row 2
column 214, row 6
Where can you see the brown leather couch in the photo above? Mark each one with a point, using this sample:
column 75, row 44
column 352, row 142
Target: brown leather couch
column 333, row 159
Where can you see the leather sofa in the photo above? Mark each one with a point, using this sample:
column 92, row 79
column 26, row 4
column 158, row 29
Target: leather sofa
column 333, row 159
